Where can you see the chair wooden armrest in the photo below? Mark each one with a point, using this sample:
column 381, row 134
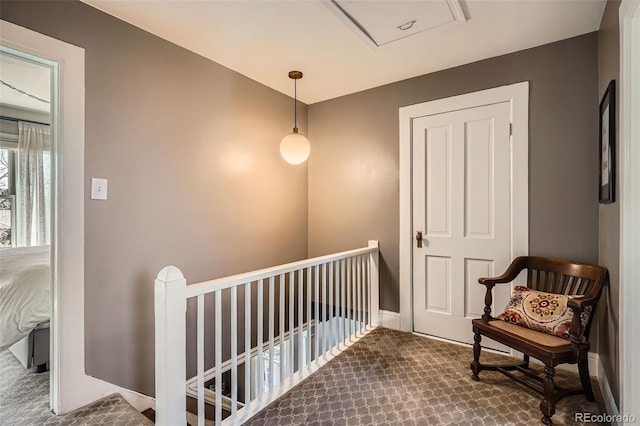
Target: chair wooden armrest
column 514, row 269
column 580, row 303
column 518, row 264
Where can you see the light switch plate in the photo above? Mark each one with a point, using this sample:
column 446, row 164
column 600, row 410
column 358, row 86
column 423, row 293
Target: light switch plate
column 98, row 189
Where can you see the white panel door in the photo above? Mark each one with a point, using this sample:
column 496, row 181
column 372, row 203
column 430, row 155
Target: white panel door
column 461, row 205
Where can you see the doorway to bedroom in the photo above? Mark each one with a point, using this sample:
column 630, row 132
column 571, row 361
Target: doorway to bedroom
column 26, row 181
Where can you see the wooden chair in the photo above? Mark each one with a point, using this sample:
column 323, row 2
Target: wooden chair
column 551, row 276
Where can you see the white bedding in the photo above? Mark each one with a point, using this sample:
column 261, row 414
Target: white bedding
column 25, row 300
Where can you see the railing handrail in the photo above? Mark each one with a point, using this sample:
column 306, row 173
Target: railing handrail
column 205, row 287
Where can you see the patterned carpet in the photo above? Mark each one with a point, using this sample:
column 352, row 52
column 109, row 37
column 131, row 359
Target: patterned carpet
column 387, row 378
column 395, row 378
column 24, row 400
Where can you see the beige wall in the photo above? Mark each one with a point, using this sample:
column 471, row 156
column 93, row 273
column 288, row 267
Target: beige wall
column 353, row 170
column 190, row 149
column 609, row 252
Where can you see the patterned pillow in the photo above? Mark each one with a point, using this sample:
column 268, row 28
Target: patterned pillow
column 540, row 311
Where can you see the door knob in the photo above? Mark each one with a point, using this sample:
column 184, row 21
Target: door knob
column 419, row 238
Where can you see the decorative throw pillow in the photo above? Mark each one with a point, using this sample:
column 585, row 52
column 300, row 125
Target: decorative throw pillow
column 545, row 312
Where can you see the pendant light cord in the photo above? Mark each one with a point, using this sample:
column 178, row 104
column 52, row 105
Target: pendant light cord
column 295, row 105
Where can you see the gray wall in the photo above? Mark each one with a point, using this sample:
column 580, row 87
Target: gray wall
column 609, row 253
column 190, row 149
column 353, row 171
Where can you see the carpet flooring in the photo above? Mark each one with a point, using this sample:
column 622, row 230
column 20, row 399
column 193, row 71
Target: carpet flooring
column 24, row 400
column 395, row 378
column 387, row 378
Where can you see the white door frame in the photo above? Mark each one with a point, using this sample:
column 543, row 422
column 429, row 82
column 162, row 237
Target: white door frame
column 518, row 96
column 629, row 374
column 67, row 198
column 70, row 387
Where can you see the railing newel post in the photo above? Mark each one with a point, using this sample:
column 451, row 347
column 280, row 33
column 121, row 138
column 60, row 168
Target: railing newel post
column 170, row 308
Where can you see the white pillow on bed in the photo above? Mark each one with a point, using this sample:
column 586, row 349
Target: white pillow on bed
column 25, row 296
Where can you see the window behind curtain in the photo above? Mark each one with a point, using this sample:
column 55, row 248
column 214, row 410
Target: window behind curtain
column 8, row 183
column 7, row 197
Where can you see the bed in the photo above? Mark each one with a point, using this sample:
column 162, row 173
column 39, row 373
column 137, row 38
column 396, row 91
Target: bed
column 25, row 304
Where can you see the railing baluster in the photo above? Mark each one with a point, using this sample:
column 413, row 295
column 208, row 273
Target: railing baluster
column 234, row 353
column 260, row 339
column 336, row 310
column 271, row 332
column 367, row 287
column 365, row 301
column 300, row 323
column 354, row 298
column 356, row 287
column 247, row 344
column 308, row 317
column 316, row 339
column 200, row 351
column 290, row 354
column 218, row 357
column 330, row 307
column 349, row 307
column 282, row 308
column 324, row 311
column 343, row 300
column 360, row 284
column 363, row 290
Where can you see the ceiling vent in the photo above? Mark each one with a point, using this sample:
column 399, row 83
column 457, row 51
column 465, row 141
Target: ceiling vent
column 379, row 23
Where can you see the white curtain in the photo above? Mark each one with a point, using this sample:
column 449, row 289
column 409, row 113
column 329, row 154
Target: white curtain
column 33, row 189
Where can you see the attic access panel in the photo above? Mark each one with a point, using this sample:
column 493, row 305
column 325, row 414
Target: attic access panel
column 382, row 22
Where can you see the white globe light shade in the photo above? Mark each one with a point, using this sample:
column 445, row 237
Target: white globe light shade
column 295, row 148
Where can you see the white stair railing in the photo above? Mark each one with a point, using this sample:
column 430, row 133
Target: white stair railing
column 315, row 309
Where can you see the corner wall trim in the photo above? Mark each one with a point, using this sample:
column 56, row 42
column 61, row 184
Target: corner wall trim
column 629, row 143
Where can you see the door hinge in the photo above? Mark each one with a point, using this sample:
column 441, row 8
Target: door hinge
column 510, row 129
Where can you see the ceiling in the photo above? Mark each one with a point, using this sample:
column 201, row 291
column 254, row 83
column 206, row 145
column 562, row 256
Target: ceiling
column 266, row 39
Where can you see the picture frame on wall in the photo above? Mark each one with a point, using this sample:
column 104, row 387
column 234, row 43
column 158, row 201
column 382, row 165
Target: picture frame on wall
column 607, row 144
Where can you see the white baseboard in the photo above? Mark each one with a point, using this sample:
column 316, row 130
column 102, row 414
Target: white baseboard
column 140, row 401
column 607, row 394
column 390, row 319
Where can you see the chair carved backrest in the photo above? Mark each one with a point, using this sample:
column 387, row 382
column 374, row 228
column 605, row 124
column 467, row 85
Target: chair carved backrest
column 562, row 277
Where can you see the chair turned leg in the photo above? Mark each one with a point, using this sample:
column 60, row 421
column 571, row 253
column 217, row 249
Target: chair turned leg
column 526, row 362
column 585, row 379
column 475, row 365
column 548, row 404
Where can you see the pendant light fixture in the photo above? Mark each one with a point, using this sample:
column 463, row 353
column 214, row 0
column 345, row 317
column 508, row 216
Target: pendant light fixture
column 294, row 147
